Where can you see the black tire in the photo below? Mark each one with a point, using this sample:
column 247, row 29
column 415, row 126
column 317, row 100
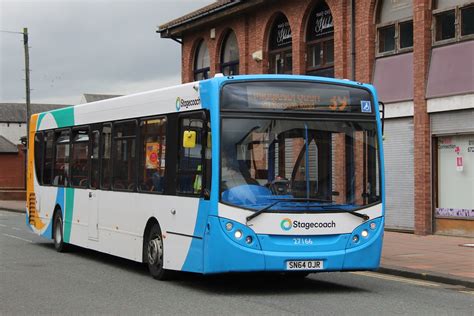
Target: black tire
column 154, row 255
column 58, row 236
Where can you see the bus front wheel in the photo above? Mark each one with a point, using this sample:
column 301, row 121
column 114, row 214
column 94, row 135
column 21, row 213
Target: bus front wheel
column 154, row 254
column 58, row 236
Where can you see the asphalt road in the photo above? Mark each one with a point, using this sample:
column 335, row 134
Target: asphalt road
column 35, row 279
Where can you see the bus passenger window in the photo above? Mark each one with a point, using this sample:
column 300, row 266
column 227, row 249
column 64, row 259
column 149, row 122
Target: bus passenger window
column 48, row 157
column 152, row 155
column 79, row 158
column 95, row 136
column 124, row 169
column 106, row 149
column 61, row 161
column 38, row 155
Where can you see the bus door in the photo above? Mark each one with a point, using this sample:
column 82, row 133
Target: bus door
column 93, row 193
column 193, row 171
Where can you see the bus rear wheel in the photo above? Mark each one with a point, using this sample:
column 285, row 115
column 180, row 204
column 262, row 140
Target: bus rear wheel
column 58, row 236
column 154, row 255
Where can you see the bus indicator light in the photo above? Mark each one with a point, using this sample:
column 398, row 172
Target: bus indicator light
column 248, row 239
column 373, row 225
column 229, row 226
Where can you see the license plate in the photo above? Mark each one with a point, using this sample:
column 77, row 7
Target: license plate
column 304, row 265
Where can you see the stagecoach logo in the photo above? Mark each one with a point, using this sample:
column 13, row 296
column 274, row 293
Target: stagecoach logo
column 187, row 104
column 287, row 224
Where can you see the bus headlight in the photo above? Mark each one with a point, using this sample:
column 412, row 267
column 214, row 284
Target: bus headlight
column 365, row 233
column 238, row 234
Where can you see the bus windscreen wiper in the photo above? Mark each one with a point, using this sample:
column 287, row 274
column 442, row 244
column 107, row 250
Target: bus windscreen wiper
column 365, row 217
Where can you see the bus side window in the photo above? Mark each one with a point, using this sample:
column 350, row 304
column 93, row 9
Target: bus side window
column 80, row 157
column 61, row 158
column 124, row 156
column 94, row 156
column 48, row 157
column 189, row 175
column 106, row 158
column 38, row 155
column 152, row 155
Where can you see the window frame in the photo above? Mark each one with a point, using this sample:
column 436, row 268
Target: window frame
column 71, row 141
column 140, row 157
column 468, row 36
column 101, row 156
column 458, row 37
column 113, row 158
column 397, row 48
column 232, row 64
column 95, row 128
column 39, row 166
column 55, row 132
column 43, row 163
column 204, row 116
column 324, row 65
column 284, row 52
column 206, row 70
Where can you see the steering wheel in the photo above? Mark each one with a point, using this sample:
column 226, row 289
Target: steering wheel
column 280, row 186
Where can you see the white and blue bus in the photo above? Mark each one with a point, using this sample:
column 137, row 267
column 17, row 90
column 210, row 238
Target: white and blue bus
column 232, row 174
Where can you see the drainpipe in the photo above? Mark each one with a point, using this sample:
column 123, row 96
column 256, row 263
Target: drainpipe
column 353, row 53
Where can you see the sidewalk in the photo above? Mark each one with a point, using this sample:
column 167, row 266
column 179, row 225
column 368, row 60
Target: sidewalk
column 433, row 257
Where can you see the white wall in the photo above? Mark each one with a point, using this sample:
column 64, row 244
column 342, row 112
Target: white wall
column 13, row 131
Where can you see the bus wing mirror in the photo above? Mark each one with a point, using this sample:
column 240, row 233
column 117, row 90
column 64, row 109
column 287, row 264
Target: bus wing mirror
column 189, row 139
column 382, row 114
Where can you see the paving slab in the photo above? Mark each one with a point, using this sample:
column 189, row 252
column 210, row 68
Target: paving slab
column 433, row 257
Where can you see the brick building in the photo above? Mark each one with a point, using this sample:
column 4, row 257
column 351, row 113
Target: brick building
column 417, row 53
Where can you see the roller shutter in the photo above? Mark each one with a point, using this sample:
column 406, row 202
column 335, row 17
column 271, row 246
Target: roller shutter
column 399, row 178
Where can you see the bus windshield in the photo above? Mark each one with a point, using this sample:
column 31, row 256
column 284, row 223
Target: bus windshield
column 307, row 163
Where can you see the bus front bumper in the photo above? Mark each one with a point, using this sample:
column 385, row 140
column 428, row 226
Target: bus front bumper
column 272, row 253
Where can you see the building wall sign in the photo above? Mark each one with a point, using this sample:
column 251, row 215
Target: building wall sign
column 281, row 33
column 455, row 212
column 320, row 23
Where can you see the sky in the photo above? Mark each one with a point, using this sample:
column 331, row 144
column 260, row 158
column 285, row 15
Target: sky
column 88, row 46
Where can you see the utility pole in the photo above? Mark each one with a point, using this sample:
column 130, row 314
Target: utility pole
column 27, row 83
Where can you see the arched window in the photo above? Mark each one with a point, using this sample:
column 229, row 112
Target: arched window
column 320, row 42
column 394, row 27
column 201, row 62
column 230, row 55
column 280, row 55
